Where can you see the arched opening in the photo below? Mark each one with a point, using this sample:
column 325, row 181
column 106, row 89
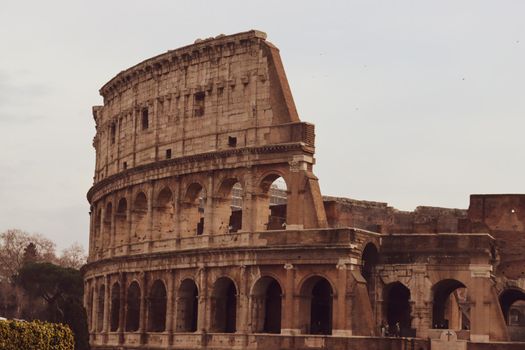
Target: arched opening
column 266, row 306
column 224, row 306
column 121, row 224
column 157, row 307
column 115, row 307
column 133, row 307
column 106, row 231
column 450, row 309
column 187, row 306
column 369, row 260
column 98, row 228
column 274, row 194
column 192, row 210
column 512, row 302
column 100, row 308
column 163, row 213
column 91, row 309
column 227, row 207
column 396, row 297
column 316, row 306
column 139, row 221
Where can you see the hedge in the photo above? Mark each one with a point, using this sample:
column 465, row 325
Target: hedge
column 19, row 335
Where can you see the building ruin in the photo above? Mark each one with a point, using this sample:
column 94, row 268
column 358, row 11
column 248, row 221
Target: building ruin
column 187, row 252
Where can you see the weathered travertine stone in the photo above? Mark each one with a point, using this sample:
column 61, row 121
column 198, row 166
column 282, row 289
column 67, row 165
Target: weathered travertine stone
column 174, row 265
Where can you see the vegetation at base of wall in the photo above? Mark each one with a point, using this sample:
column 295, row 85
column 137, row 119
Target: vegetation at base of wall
column 18, row 335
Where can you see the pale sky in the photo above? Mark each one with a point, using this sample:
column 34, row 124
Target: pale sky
column 415, row 102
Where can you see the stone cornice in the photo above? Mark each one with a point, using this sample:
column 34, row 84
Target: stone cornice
column 275, row 148
column 161, row 63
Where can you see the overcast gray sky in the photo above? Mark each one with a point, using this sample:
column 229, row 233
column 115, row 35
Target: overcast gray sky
column 415, row 102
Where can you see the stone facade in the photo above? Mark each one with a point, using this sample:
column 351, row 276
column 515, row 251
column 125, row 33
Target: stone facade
column 188, row 251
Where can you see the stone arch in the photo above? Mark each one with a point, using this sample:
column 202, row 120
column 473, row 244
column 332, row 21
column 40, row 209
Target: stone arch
column 266, row 305
column 227, row 206
column 133, row 297
column 106, row 230
column 316, row 309
column 507, row 298
column 139, row 217
column 115, row 307
column 98, row 227
column 397, row 307
column 193, row 209
column 157, row 303
column 224, row 306
column 187, row 306
column 449, row 305
column 163, row 214
column 91, row 309
column 121, row 222
column 100, row 308
column 272, row 201
column 369, row 260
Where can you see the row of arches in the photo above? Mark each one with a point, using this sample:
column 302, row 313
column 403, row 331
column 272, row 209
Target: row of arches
column 450, row 306
column 266, row 300
column 138, row 218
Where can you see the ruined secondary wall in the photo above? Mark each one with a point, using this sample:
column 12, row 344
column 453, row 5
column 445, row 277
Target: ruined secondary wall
column 503, row 215
column 379, row 217
column 230, row 91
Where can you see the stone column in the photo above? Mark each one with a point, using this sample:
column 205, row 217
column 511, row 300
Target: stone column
column 112, row 228
column 176, row 211
column 143, row 307
column 340, row 308
column 204, row 315
column 122, row 307
column 149, row 233
column 170, row 306
column 288, row 323
column 480, row 311
column 208, row 208
column 94, row 313
column 242, row 305
column 105, row 324
column 129, row 218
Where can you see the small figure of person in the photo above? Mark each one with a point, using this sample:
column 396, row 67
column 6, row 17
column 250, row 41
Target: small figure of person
column 382, row 328
column 398, row 329
column 387, row 330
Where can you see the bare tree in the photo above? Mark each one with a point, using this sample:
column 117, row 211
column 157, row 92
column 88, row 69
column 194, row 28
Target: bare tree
column 13, row 244
column 74, row 256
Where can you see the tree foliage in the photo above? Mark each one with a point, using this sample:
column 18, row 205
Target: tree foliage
column 16, row 335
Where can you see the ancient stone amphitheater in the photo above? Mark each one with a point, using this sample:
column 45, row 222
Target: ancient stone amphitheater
column 189, row 249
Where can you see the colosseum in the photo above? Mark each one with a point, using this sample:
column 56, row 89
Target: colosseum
column 194, row 245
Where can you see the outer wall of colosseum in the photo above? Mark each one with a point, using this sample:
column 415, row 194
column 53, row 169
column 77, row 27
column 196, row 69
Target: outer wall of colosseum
column 173, row 264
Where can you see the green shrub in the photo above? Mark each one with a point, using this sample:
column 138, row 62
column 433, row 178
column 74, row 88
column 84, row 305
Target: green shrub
column 17, row 335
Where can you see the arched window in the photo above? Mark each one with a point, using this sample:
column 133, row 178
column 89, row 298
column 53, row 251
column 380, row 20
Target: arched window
column 227, row 207
column 266, row 301
column 397, row 309
column 512, row 302
column 133, row 307
column 121, row 225
column 317, row 305
column 100, row 308
column 140, row 213
column 274, row 193
column 224, row 306
column 163, row 214
column 157, row 307
column 106, row 232
column 187, row 306
column 369, row 260
column 115, row 307
column 450, row 309
column 192, row 211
